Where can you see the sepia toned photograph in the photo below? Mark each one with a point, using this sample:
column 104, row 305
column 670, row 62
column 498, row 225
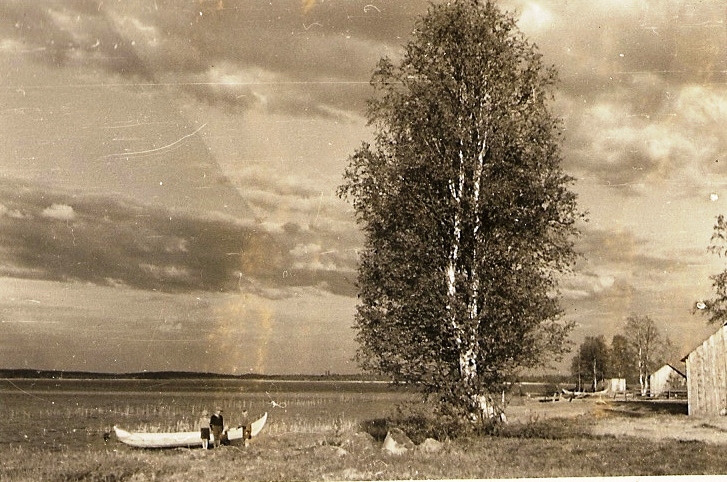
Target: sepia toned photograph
column 362, row 239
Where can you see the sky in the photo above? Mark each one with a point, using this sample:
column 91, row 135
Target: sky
column 168, row 173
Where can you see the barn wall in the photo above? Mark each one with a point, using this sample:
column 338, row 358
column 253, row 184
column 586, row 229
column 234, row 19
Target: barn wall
column 707, row 376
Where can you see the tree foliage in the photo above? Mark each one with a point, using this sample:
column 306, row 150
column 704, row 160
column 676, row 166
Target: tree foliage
column 716, row 308
column 592, row 361
column 623, row 358
column 467, row 215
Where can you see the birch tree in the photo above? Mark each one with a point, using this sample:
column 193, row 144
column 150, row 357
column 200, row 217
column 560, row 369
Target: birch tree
column 468, row 217
column 646, row 344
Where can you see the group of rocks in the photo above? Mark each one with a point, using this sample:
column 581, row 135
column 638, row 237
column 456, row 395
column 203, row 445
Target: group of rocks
column 395, row 443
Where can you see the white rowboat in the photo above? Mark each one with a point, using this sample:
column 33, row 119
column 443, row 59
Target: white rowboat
column 181, row 439
column 577, row 394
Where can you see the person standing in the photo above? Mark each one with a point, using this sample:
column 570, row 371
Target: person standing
column 217, row 425
column 246, row 427
column 204, row 429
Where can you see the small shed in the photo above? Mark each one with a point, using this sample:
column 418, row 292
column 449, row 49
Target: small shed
column 707, row 376
column 615, row 385
column 667, row 379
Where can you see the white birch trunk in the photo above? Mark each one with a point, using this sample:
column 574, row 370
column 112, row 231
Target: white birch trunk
column 642, row 381
column 473, row 310
column 457, row 190
column 466, row 336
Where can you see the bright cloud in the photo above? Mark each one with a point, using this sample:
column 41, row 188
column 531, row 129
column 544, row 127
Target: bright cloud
column 535, row 17
column 11, row 213
column 61, row 212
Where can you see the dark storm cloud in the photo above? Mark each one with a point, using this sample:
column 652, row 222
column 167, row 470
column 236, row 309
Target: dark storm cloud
column 59, row 236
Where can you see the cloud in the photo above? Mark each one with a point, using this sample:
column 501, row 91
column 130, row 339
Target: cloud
column 625, row 145
column 640, row 91
column 317, row 61
column 310, row 64
column 11, row 213
column 62, row 212
column 299, row 207
column 629, row 141
column 625, row 247
column 69, row 34
column 112, row 242
column 99, row 328
column 535, row 17
column 616, row 263
column 312, row 257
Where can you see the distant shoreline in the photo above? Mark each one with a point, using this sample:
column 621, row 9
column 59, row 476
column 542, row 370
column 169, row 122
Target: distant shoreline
column 168, row 375
column 23, row 373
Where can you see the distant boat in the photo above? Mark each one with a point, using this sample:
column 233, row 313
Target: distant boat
column 578, row 394
column 181, row 439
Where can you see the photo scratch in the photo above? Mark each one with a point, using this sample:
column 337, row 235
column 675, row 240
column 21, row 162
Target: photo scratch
column 157, row 149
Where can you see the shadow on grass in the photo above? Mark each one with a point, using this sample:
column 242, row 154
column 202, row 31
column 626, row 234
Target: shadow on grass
column 548, row 429
column 646, row 408
column 420, row 423
column 420, row 428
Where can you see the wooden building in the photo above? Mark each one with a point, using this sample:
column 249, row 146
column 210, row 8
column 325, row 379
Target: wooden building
column 707, row 376
column 667, row 379
column 615, row 385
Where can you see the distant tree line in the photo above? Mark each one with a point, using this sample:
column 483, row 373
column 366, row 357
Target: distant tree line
column 179, row 375
column 634, row 354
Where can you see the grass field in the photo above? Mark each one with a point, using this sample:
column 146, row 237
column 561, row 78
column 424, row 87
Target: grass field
column 54, row 430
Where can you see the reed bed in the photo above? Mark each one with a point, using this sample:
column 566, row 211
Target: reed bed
column 68, row 416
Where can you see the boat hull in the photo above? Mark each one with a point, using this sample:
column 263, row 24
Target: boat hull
column 576, row 394
column 180, row 439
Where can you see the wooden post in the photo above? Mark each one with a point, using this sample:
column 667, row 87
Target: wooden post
column 689, row 385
